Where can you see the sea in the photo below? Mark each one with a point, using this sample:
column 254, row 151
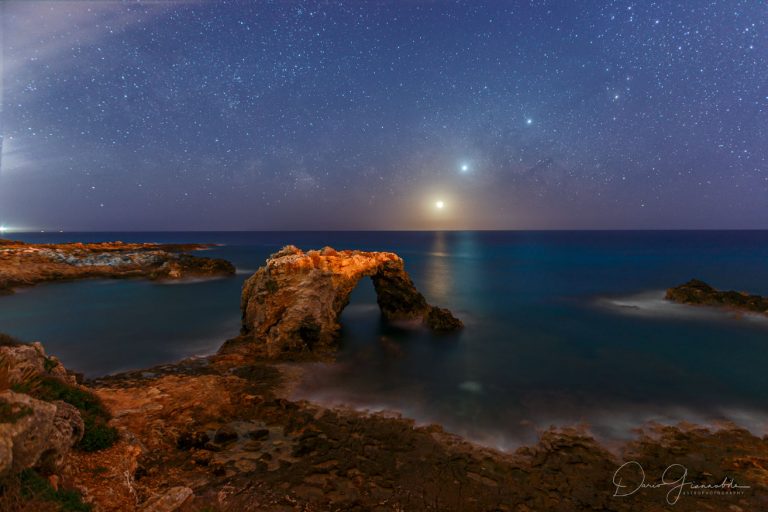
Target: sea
column 562, row 328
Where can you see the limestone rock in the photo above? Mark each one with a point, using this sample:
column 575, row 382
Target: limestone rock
column 169, row 501
column 34, row 433
column 22, row 358
column 24, row 264
column 293, row 303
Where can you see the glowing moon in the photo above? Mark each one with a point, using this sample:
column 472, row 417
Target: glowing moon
column 439, row 205
column 464, row 168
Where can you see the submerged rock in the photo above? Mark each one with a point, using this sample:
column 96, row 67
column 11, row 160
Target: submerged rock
column 293, row 303
column 700, row 293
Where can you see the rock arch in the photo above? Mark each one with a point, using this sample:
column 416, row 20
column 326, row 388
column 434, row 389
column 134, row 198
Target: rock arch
column 293, row 303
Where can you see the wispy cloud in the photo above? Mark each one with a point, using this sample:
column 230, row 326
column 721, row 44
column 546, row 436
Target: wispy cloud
column 47, row 31
column 40, row 38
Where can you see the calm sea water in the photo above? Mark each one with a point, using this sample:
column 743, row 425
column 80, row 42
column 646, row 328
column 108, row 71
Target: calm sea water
column 562, row 328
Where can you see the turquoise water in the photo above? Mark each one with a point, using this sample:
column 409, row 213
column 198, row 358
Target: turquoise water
column 561, row 327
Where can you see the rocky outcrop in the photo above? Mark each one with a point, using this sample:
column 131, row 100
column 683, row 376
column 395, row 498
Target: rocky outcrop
column 24, row 264
column 700, row 293
column 292, row 304
column 33, row 433
column 21, row 359
column 36, row 434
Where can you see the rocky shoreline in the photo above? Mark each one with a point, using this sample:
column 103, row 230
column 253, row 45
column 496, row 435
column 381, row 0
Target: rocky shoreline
column 23, row 264
column 221, row 433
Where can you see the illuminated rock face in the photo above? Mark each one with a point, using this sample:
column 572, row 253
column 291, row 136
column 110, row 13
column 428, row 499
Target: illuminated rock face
column 292, row 304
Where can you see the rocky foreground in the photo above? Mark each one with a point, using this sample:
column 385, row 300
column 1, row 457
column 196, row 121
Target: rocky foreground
column 219, row 434
column 23, row 264
column 699, row 293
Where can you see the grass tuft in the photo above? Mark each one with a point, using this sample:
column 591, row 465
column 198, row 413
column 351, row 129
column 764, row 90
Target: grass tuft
column 35, row 486
column 30, row 492
column 98, row 435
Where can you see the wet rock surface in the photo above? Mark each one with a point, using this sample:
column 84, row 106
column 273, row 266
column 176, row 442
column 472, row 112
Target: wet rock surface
column 698, row 292
column 291, row 306
column 23, row 264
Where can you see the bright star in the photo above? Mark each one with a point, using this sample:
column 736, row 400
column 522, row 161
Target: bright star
column 439, row 205
column 529, row 121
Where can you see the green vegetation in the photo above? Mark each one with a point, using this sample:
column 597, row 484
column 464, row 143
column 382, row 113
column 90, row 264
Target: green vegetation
column 34, row 486
column 98, row 435
column 26, row 382
column 49, row 364
column 11, row 414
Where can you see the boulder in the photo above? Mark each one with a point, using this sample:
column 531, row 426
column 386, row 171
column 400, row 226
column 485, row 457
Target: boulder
column 22, row 359
column 34, row 433
column 293, row 303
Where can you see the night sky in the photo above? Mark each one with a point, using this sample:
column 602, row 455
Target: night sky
column 364, row 115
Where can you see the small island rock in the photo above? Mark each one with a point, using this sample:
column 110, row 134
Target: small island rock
column 700, row 293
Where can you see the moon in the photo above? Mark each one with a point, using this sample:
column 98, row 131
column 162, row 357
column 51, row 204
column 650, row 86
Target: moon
column 464, row 167
column 439, row 205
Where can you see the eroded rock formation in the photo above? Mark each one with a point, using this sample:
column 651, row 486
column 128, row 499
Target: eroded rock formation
column 33, row 433
column 700, row 293
column 293, row 303
column 23, row 264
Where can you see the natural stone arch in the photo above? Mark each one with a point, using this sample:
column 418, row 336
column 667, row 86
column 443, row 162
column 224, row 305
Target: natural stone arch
column 294, row 302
